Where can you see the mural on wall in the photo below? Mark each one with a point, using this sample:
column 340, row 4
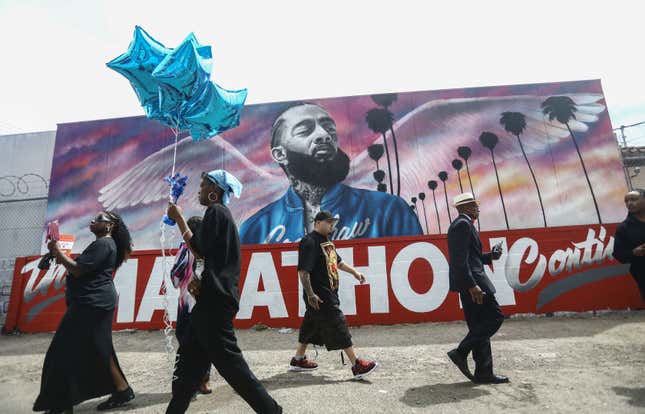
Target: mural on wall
column 541, row 270
column 387, row 165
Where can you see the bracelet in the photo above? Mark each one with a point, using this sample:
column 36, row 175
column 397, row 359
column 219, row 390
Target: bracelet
column 184, row 233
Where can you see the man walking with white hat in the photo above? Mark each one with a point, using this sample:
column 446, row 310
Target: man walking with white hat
column 477, row 292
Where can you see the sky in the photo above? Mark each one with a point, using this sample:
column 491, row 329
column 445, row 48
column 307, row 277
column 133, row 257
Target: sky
column 54, row 52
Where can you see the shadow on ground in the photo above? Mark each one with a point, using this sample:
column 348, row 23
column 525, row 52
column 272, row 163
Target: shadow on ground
column 636, row 395
column 141, row 400
column 434, row 394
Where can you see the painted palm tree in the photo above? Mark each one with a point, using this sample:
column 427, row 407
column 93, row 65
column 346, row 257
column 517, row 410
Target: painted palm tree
column 458, row 165
column 414, row 202
column 432, row 185
column 422, row 197
column 490, row 140
column 443, row 176
column 379, row 121
column 515, row 123
column 465, row 153
column 375, row 152
column 384, row 101
column 563, row 109
column 379, row 176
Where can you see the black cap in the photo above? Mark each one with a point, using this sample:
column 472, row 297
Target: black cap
column 324, row 215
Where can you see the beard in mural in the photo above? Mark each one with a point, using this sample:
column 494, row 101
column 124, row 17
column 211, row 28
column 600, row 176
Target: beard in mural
column 307, row 169
column 304, row 142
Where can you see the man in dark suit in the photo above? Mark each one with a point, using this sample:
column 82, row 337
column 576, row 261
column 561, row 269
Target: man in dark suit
column 477, row 292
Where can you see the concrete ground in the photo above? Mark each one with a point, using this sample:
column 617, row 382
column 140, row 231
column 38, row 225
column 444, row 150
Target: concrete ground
column 580, row 363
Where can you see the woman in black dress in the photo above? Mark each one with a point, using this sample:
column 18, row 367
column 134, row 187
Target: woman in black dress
column 81, row 363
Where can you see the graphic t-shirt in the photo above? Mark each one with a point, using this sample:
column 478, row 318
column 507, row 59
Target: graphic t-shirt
column 318, row 256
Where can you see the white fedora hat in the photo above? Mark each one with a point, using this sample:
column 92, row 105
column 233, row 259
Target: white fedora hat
column 464, row 198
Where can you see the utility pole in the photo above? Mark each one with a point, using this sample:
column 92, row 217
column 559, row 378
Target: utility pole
column 622, row 135
column 628, row 176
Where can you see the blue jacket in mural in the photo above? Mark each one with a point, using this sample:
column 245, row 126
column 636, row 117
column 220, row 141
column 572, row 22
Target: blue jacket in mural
column 363, row 214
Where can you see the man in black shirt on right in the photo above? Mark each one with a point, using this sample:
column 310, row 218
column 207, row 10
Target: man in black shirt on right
column 629, row 241
column 324, row 322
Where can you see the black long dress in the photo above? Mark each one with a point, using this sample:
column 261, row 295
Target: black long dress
column 77, row 364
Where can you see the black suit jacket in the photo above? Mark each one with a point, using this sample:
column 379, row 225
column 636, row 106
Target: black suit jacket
column 466, row 258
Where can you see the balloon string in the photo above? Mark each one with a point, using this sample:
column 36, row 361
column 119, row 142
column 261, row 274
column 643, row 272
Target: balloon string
column 171, row 357
column 175, row 130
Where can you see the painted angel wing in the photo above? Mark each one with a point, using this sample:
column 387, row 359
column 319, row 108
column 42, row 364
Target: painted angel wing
column 144, row 183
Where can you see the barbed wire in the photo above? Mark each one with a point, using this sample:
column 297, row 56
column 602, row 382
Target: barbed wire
column 11, row 185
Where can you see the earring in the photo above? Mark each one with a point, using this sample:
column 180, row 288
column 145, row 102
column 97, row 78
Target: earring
column 210, row 199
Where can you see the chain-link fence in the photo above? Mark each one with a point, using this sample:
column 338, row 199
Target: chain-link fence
column 25, row 168
column 23, row 205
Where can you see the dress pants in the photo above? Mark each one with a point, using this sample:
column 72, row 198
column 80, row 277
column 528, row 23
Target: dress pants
column 483, row 321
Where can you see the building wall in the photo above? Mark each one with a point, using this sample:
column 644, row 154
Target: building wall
column 25, row 161
column 634, row 160
column 638, row 181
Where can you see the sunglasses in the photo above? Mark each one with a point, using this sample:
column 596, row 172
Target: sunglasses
column 101, row 219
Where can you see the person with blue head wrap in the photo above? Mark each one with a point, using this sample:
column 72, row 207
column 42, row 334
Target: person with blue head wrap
column 216, row 291
column 227, row 182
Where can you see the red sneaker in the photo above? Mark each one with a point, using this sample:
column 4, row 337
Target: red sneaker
column 363, row 368
column 300, row 365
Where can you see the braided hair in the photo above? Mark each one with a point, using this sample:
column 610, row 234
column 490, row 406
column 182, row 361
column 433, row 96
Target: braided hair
column 122, row 238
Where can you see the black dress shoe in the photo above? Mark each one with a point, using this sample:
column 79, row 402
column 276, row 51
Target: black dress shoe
column 117, row 399
column 491, row 379
column 461, row 362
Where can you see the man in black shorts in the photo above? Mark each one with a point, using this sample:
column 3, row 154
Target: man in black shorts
column 324, row 322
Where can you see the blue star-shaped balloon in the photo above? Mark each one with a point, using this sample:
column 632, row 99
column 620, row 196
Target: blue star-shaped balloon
column 186, row 68
column 214, row 111
column 137, row 64
column 181, row 74
column 173, row 85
